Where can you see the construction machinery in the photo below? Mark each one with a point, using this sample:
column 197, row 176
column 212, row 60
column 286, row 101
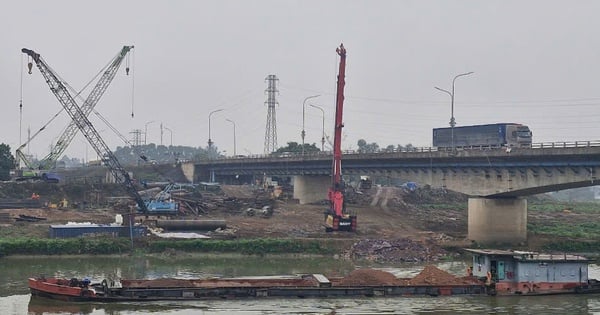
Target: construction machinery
column 336, row 217
column 42, row 170
column 79, row 117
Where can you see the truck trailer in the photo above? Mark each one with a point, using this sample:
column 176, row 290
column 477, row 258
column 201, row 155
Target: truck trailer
column 490, row 135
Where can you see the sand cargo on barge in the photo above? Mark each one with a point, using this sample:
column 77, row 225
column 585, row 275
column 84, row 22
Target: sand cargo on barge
column 494, row 272
column 361, row 282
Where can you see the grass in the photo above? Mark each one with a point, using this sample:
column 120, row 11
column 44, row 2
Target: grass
column 580, row 207
column 98, row 246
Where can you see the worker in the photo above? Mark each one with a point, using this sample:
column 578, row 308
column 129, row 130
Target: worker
column 470, row 271
column 35, row 196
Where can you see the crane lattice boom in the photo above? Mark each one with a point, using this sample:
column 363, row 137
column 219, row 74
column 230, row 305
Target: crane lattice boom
column 85, row 126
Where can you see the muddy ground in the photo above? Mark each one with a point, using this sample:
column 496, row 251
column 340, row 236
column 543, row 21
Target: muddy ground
column 393, row 224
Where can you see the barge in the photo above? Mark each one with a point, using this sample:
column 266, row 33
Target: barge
column 362, row 282
column 495, row 272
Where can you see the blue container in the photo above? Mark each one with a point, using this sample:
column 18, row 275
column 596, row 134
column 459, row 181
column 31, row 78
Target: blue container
column 95, row 230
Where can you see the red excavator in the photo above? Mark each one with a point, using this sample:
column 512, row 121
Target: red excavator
column 336, row 217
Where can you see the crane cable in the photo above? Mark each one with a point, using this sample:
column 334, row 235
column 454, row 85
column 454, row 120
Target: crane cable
column 21, row 102
column 77, row 93
column 132, row 79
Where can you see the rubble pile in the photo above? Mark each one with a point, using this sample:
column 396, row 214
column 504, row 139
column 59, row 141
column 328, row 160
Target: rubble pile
column 426, row 194
column 398, row 250
column 230, row 199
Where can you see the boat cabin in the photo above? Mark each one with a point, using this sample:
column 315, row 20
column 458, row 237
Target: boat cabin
column 522, row 272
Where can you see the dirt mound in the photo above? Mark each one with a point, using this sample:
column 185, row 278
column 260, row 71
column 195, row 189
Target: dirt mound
column 370, row 277
column 432, row 275
column 397, row 250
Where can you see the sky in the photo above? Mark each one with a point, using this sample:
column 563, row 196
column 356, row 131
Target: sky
column 534, row 62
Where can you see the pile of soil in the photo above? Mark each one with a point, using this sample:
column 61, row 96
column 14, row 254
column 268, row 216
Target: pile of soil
column 370, row 277
column 432, row 275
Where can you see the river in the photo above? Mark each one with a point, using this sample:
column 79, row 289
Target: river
column 15, row 297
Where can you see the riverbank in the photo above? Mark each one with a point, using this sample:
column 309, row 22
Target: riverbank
column 394, row 224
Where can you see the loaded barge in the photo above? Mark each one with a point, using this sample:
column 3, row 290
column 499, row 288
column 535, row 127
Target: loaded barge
column 493, row 272
column 362, row 282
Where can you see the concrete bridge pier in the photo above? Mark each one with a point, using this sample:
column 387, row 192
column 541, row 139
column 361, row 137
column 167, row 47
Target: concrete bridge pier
column 497, row 220
column 311, row 188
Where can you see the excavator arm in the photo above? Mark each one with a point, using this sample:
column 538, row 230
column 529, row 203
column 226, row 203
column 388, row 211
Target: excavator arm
column 85, row 126
column 67, row 136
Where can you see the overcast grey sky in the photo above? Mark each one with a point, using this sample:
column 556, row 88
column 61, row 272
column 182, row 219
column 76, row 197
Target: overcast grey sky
column 535, row 62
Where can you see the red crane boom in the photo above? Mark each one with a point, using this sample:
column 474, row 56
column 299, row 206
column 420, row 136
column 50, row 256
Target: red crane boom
column 336, row 217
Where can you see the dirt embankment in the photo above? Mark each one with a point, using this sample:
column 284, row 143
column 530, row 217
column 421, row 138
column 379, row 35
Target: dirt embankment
column 391, row 227
column 394, row 224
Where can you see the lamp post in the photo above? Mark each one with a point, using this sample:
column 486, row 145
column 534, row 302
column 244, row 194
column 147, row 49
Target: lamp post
column 146, row 131
column 233, row 122
column 452, row 120
column 210, row 143
column 303, row 133
column 323, row 129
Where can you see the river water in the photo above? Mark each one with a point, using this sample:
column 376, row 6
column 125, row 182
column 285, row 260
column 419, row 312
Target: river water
column 15, row 297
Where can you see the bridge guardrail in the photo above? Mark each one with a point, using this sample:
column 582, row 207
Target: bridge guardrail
column 294, row 156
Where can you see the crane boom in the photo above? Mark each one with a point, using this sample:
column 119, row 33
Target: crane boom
column 88, row 105
column 336, row 217
column 85, row 126
column 339, row 124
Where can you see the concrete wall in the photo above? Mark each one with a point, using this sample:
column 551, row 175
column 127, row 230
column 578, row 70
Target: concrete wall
column 311, row 188
column 497, row 220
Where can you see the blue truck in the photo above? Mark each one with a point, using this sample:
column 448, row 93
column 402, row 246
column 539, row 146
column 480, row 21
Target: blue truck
column 491, row 135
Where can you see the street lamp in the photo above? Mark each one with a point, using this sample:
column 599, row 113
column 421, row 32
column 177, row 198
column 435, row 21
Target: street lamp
column 323, row 129
column 210, row 143
column 233, row 122
column 146, row 131
column 452, row 120
column 303, row 133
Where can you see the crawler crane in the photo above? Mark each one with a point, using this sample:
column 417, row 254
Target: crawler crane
column 80, row 119
column 336, row 217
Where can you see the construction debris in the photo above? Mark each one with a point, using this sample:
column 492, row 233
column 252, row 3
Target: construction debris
column 395, row 251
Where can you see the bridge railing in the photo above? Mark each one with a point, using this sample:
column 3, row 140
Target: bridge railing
column 566, row 144
column 408, row 150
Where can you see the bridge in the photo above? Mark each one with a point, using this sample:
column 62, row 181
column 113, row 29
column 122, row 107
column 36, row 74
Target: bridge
column 496, row 179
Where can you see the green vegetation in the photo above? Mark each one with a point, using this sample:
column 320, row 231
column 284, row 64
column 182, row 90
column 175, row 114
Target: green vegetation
column 7, row 161
column 99, row 246
column 573, row 246
column 584, row 207
column 583, row 230
column 294, row 147
column 69, row 246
